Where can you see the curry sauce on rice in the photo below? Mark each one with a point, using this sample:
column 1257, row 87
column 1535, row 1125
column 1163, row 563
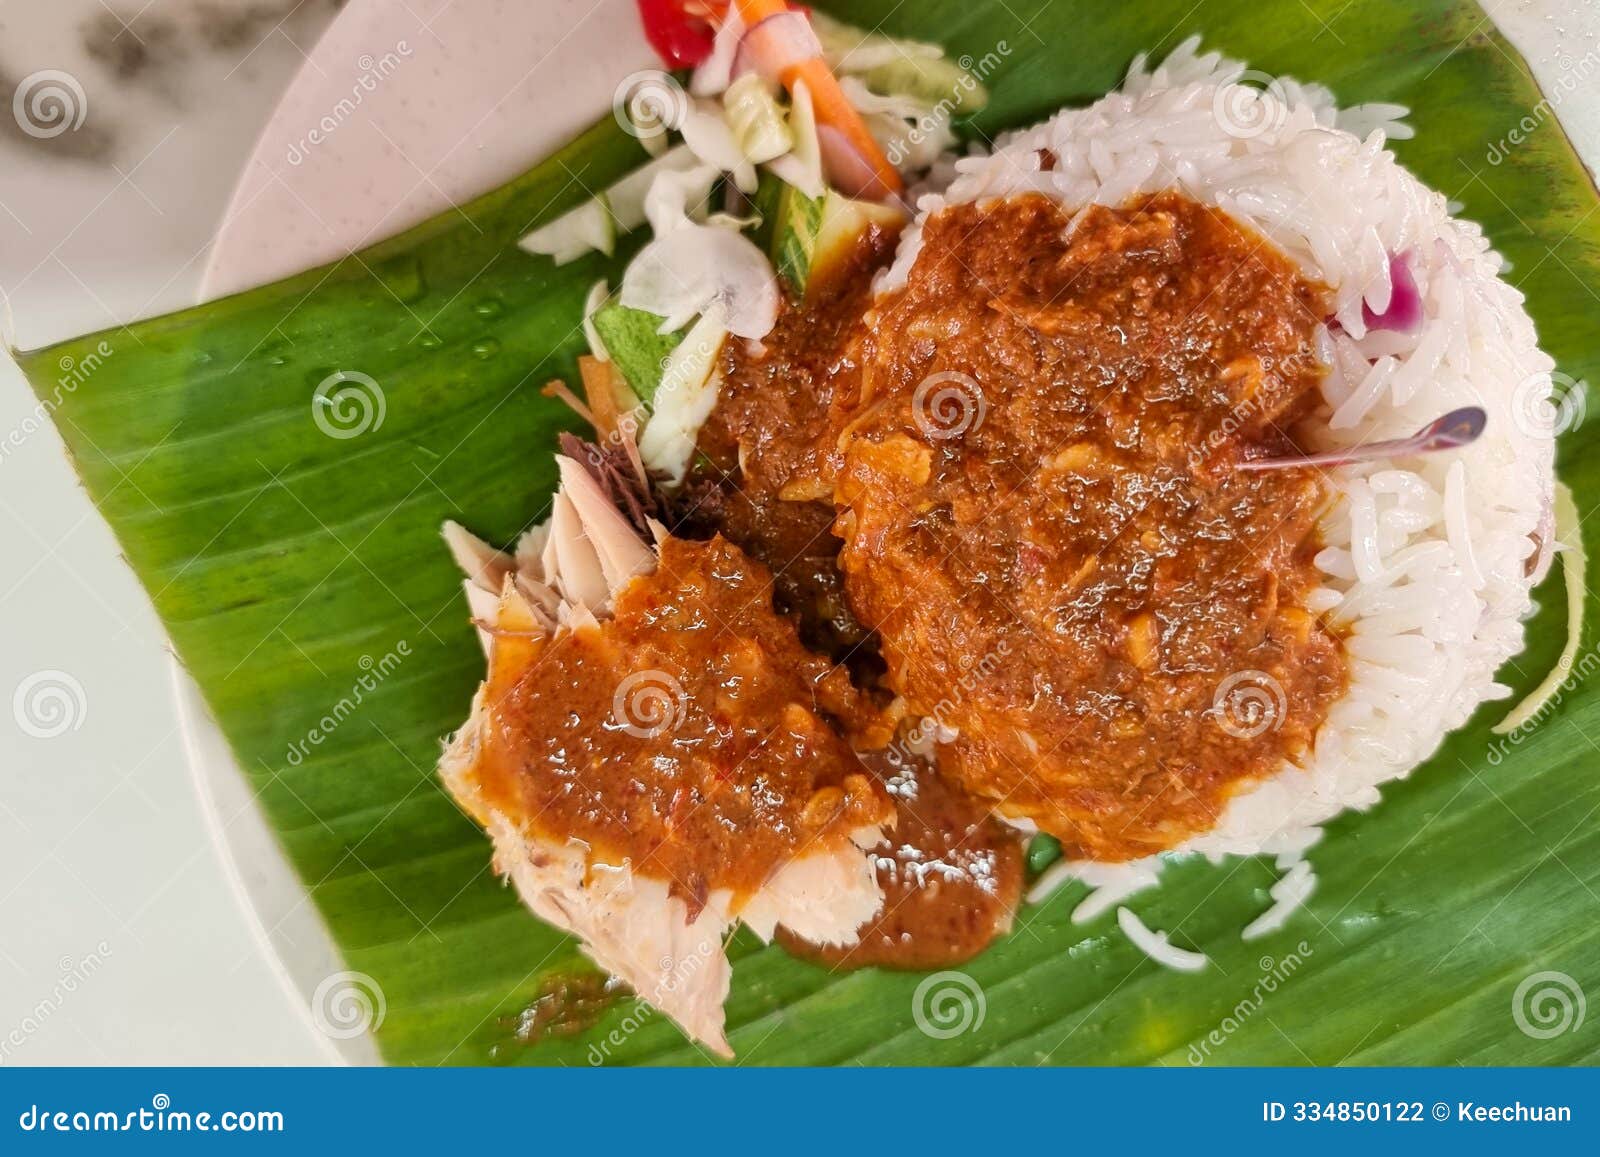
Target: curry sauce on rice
column 1040, row 473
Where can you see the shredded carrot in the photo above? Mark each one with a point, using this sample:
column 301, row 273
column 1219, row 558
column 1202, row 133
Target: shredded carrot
column 827, row 98
column 615, row 426
column 602, row 395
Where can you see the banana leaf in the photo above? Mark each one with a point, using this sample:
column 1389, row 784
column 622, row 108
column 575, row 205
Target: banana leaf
column 303, row 585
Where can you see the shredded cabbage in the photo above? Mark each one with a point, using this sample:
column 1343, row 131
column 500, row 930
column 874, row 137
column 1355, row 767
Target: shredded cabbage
column 685, row 397
column 909, row 68
column 627, row 196
column 684, row 272
column 599, row 294
column 756, row 119
column 689, row 267
column 677, row 196
column 582, row 230
column 802, row 165
column 1574, row 564
column 706, row 132
column 594, row 225
column 912, row 132
column 851, row 49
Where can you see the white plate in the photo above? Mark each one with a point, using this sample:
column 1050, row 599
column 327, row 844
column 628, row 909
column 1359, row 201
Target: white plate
column 416, row 107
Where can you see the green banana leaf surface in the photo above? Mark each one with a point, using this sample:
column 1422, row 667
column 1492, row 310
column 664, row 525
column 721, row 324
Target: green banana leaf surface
column 276, row 466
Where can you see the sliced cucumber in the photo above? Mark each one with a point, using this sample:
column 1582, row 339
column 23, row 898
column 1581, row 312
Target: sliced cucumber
column 807, row 237
column 640, row 351
column 789, row 224
column 843, row 222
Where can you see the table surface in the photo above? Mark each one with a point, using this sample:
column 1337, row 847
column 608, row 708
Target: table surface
column 120, row 939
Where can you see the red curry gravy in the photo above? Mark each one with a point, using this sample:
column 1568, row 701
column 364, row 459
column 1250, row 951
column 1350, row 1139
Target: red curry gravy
column 690, row 732
column 952, row 875
column 1037, row 480
column 1066, row 583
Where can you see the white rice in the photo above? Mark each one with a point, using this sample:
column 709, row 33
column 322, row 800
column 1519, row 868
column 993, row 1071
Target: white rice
column 1288, row 896
column 1424, row 564
column 1157, row 947
column 1109, row 883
